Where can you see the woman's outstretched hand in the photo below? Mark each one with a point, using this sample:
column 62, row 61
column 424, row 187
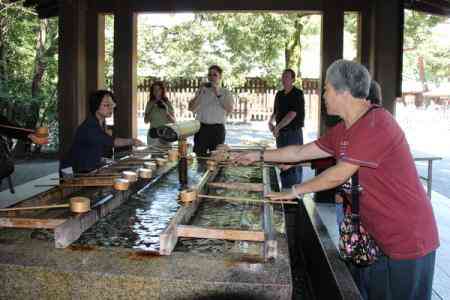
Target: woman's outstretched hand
column 246, row 158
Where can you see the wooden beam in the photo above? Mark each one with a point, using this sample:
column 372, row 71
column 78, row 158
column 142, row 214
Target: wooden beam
column 238, row 186
column 30, row 223
column 270, row 242
column 219, row 234
column 168, row 238
column 226, row 5
column 71, row 230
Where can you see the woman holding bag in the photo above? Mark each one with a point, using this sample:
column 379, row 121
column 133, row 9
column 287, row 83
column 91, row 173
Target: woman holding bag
column 393, row 206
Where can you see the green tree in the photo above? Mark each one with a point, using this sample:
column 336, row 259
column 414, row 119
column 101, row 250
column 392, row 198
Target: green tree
column 28, row 66
column 426, row 55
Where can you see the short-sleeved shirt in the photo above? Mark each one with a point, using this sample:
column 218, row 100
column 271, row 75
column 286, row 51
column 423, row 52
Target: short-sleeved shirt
column 292, row 101
column 158, row 115
column 212, row 108
column 394, row 207
column 88, row 146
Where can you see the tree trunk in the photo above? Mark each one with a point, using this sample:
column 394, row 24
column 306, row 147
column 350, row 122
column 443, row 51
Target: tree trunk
column 293, row 48
column 421, row 66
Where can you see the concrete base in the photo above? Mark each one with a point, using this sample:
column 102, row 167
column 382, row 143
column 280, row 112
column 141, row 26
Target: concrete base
column 31, row 268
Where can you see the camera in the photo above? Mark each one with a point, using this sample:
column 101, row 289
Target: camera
column 208, row 84
column 160, row 104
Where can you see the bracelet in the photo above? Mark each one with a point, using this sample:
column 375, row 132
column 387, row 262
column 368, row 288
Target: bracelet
column 261, row 156
column 296, row 194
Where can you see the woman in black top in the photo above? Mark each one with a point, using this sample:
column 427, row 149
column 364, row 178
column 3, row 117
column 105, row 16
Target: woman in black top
column 92, row 137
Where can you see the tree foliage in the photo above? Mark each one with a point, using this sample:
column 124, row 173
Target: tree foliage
column 423, row 43
column 28, row 65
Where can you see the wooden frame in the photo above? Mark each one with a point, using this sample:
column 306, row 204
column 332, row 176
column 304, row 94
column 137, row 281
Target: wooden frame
column 177, row 228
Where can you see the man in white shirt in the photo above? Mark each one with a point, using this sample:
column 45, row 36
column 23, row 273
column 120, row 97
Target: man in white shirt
column 211, row 104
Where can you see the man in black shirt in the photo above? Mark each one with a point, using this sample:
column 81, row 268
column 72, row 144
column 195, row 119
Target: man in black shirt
column 289, row 114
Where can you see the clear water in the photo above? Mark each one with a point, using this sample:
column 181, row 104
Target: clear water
column 138, row 222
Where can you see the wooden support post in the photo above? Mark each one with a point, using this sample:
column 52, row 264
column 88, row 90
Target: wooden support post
column 332, row 45
column 220, row 234
column 125, row 64
column 387, row 49
column 72, row 69
column 168, row 238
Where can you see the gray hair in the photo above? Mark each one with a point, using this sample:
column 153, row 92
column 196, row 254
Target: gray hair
column 345, row 75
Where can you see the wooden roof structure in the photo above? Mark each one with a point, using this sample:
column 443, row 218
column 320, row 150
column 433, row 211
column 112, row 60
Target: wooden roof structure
column 81, row 45
column 50, row 8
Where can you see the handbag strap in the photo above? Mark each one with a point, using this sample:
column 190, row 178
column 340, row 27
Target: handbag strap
column 355, row 189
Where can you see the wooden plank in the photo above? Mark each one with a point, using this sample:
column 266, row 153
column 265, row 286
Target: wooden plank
column 71, row 230
column 220, row 234
column 30, row 223
column 168, row 238
column 270, row 243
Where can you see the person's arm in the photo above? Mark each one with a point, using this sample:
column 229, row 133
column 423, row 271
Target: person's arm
column 292, row 153
column 194, row 104
column 170, row 111
column 284, row 122
column 271, row 122
column 330, row 178
column 122, row 142
column 225, row 100
column 148, row 110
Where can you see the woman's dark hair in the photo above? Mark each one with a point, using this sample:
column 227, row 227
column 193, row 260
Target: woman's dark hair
column 96, row 99
column 217, row 68
column 162, row 86
column 374, row 93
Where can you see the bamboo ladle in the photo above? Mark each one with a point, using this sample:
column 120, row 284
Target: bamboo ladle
column 190, row 195
column 77, row 205
column 40, row 131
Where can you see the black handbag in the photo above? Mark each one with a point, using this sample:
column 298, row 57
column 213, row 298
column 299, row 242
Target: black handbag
column 6, row 161
column 355, row 243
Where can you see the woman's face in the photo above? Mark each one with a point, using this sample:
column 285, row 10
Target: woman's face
column 106, row 107
column 157, row 91
column 331, row 97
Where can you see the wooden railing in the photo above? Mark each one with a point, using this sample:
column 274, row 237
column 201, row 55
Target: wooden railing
column 252, row 102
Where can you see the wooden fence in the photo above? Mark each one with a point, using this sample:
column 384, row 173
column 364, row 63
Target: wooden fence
column 252, row 102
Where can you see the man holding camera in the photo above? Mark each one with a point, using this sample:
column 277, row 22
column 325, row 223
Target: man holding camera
column 211, row 104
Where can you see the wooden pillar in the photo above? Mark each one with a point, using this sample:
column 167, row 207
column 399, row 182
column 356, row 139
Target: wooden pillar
column 95, row 51
column 72, row 69
column 387, row 49
column 332, row 47
column 125, row 52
